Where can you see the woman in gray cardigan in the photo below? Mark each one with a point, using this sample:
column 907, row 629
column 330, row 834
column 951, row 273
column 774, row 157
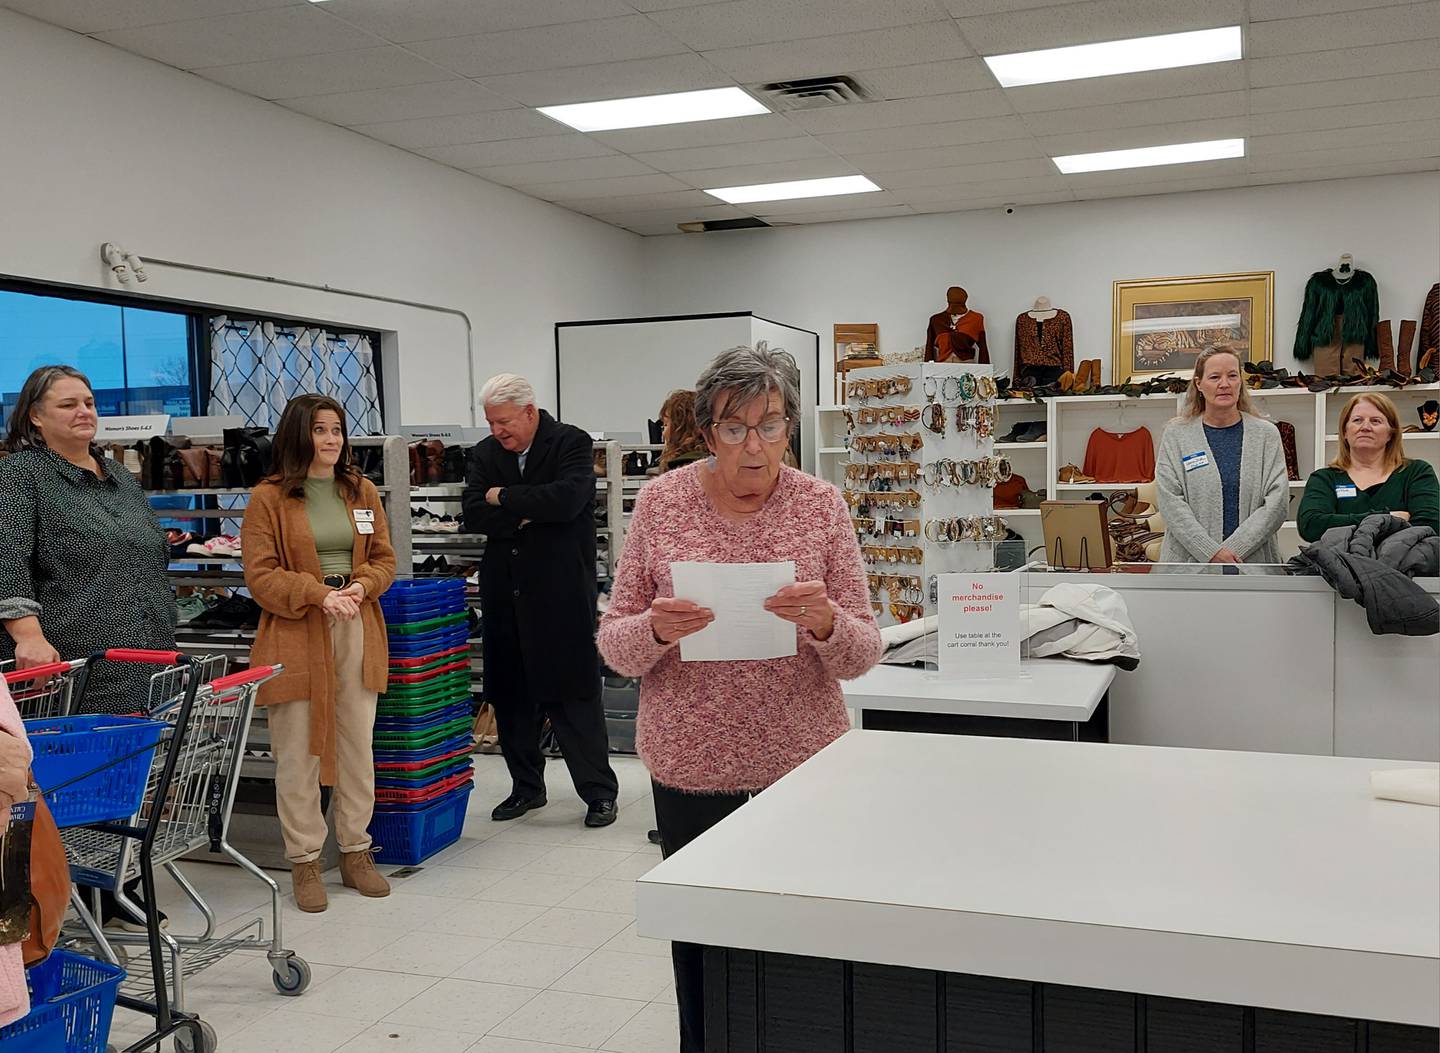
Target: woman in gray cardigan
column 1220, row 473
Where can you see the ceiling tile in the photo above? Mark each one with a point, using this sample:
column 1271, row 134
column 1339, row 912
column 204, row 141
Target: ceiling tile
column 929, row 110
column 699, row 133
column 253, row 36
column 1296, row 142
column 876, row 165
column 96, row 16
column 557, row 171
column 673, row 216
column 952, row 133
column 765, row 152
column 1353, row 171
column 1004, row 32
column 778, row 172
column 742, row 22
column 927, row 78
column 993, row 201
column 781, row 219
column 1346, row 92
column 1033, row 168
column 650, row 228
column 666, row 200
column 970, row 8
column 443, row 98
column 609, row 80
column 1138, row 114
column 1006, row 190
column 1266, row 10
column 1344, row 63
column 551, row 47
column 668, row 5
column 1130, row 87
column 839, row 203
column 436, row 19
column 1147, row 135
column 350, row 71
column 1329, row 118
column 1175, row 186
column 462, row 128
column 516, row 151
column 621, row 186
column 819, row 56
column 1347, row 154
column 1386, row 25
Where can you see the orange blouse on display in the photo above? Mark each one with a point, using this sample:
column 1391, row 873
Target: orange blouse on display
column 1115, row 457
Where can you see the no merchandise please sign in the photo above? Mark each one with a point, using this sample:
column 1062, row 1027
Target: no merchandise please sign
column 979, row 626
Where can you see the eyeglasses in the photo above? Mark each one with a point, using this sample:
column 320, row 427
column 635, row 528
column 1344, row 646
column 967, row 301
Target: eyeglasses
column 733, row 433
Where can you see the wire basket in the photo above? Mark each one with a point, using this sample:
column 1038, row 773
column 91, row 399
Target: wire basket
column 72, row 999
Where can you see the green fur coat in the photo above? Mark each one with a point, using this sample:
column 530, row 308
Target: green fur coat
column 1357, row 299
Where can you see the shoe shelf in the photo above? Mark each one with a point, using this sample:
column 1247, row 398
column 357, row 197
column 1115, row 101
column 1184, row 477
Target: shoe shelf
column 434, row 490
column 1041, row 445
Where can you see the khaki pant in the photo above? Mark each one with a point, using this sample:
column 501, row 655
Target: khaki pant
column 297, row 771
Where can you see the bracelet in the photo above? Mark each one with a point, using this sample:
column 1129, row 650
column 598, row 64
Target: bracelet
column 934, row 418
column 945, row 383
column 930, row 387
column 967, row 387
column 985, row 387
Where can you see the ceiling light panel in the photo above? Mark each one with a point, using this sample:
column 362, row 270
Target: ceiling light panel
column 1151, row 156
column 794, row 189
column 646, row 111
column 1113, row 57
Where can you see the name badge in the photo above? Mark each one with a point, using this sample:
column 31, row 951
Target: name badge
column 1344, row 490
column 364, row 528
column 1191, row 461
column 364, row 515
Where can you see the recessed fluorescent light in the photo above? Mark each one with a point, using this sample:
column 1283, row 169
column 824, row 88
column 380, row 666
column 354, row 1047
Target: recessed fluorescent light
column 850, row 184
column 1150, row 156
column 1116, row 56
column 643, row 111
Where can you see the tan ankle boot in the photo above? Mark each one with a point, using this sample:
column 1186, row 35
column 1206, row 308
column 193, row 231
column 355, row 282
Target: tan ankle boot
column 357, row 871
column 309, row 888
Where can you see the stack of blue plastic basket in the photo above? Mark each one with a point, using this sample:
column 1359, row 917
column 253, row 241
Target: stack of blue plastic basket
column 423, row 770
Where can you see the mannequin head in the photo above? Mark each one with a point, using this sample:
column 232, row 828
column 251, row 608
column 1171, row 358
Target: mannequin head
column 955, row 299
column 1042, row 303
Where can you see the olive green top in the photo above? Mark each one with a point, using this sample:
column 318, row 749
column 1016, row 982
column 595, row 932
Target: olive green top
column 330, row 523
column 1332, row 499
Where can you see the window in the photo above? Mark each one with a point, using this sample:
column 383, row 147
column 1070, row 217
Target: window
column 138, row 359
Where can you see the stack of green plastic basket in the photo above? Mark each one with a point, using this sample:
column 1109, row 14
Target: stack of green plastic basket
column 423, row 771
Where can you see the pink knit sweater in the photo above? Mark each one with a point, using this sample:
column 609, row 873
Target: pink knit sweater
column 730, row 726
column 14, row 999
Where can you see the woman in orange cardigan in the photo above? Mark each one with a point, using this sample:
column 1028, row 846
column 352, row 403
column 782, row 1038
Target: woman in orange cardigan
column 317, row 557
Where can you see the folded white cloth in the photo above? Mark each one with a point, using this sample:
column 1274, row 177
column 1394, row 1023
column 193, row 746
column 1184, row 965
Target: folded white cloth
column 1415, row 785
column 904, row 632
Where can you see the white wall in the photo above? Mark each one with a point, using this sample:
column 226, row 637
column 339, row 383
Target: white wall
column 895, row 271
column 99, row 145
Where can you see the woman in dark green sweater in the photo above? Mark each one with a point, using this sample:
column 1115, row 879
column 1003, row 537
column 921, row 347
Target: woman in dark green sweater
column 1370, row 475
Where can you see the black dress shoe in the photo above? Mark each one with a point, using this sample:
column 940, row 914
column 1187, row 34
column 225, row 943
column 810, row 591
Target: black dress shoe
column 514, row 806
column 653, row 837
column 601, row 813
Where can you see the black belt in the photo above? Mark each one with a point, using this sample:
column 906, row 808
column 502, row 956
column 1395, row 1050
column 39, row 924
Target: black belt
column 336, row 581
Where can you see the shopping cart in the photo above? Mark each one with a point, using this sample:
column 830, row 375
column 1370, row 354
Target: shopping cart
column 45, row 690
column 189, row 796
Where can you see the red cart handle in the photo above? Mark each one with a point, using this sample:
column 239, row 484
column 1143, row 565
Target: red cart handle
column 126, row 654
column 36, row 672
column 249, row 676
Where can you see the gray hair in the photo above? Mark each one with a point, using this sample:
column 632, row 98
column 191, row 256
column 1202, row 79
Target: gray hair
column 507, row 389
column 746, row 374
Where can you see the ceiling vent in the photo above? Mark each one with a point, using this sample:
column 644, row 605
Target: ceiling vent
column 721, row 224
column 813, row 92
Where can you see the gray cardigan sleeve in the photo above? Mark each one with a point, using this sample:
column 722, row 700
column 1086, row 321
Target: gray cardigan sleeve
column 1180, row 521
column 1264, row 522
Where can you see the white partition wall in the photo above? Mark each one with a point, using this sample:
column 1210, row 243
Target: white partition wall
column 613, row 375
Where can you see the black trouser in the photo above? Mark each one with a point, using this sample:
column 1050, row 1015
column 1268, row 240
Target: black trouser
column 1041, row 374
column 682, row 817
column 579, row 725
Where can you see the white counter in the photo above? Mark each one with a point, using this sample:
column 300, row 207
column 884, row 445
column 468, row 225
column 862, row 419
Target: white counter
column 1047, row 689
column 1267, row 662
column 1244, row 878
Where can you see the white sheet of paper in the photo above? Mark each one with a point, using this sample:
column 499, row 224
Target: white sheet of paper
column 743, row 629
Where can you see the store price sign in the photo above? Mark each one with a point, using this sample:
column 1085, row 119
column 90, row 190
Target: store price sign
column 131, row 429
column 979, row 635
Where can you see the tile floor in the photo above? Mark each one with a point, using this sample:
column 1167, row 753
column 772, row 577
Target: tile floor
column 520, row 938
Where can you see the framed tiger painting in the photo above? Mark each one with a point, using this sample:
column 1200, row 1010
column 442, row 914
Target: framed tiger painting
column 1160, row 325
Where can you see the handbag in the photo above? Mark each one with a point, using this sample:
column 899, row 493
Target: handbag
column 49, row 885
column 246, row 459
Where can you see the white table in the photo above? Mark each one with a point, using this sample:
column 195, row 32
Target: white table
column 1061, row 694
column 1232, row 878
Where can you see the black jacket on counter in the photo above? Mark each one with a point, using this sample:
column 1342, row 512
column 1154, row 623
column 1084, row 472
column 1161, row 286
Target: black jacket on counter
column 1373, row 564
column 537, row 581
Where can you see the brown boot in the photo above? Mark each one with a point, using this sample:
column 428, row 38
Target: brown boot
column 357, row 871
column 309, row 888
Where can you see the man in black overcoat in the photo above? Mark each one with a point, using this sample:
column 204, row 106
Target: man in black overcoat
column 530, row 488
